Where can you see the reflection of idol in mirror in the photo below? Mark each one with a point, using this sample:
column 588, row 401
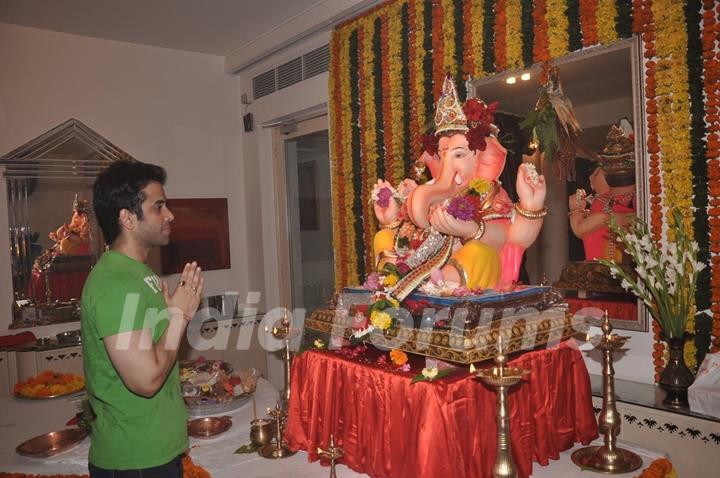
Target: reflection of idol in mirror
column 613, row 183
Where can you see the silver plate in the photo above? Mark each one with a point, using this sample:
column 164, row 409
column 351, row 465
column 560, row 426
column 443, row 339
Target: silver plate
column 196, row 407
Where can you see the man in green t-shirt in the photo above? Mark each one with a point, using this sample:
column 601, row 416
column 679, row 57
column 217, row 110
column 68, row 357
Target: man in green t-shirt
column 132, row 326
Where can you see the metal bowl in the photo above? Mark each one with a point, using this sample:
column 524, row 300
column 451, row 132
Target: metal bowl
column 209, row 426
column 52, row 443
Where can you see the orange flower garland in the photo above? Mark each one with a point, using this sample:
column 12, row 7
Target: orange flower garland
column 500, row 34
column 588, row 22
column 540, row 35
column 340, row 239
column 642, row 13
column 49, row 384
column 660, row 468
column 468, row 66
column 438, row 49
column 711, row 65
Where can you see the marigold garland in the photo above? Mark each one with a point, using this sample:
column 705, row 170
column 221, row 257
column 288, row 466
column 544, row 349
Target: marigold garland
column 477, row 27
column 500, row 46
column 438, row 48
column 606, row 17
column 557, row 28
column 448, row 34
column 660, row 468
column 541, row 53
column 429, row 37
column 673, row 115
column 588, row 22
column 367, row 134
column 703, row 292
column 513, row 35
column 468, row 57
column 336, row 102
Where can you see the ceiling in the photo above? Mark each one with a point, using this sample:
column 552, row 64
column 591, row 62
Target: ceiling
column 216, row 27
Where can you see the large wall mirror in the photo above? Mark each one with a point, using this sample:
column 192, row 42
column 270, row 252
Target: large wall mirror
column 604, row 85
column 54, row 239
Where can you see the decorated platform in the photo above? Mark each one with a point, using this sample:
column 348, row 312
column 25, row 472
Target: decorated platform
column 454, row 329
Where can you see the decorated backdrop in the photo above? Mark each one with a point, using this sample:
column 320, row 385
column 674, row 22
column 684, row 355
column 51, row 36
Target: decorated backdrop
column 386, row 70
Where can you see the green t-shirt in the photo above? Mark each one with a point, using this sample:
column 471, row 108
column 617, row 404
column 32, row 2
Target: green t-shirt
column 130, row 431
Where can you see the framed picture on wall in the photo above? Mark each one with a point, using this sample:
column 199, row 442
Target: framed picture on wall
column 307, row 192
column 200, row 233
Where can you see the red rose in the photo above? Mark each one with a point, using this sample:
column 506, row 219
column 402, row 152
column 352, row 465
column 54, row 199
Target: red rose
column 430, row 143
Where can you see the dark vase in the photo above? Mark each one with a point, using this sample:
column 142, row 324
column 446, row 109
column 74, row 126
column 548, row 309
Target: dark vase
column 676, row 378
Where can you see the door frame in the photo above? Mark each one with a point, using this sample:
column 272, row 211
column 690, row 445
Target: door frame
column 282, row 219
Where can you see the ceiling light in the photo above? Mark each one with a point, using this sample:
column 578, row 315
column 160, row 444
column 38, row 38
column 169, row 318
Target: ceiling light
column 510, row 80
column 525, row 76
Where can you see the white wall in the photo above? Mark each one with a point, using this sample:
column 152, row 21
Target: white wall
column 169, row 107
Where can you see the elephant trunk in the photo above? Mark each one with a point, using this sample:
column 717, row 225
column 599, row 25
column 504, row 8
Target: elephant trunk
column 425, row 195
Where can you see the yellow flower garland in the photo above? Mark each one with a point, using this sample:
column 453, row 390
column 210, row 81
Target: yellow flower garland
column 346, row 125
column 557, row 28
column 334, row 134
column 674, row 121
column 478, row 29
column 396, row 92
column 513, row 35
column 418, row 92
column 606, row 13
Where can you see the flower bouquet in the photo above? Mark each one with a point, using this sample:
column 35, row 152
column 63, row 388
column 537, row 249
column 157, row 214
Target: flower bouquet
column 666, row 276
column 665, row 282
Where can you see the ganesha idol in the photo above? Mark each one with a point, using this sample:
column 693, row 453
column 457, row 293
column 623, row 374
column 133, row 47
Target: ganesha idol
column 458, row 231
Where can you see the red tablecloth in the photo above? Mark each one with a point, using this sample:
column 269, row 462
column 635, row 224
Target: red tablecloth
column 617, row 310
column 390, row 428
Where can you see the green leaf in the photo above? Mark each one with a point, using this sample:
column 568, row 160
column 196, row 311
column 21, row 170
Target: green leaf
column 249, row 448
column 441, row 373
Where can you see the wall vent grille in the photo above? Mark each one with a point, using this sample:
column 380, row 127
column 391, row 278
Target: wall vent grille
column 294, row 71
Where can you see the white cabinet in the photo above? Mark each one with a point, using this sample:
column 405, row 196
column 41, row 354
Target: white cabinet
column 234, row 341
column 62, row 359
column 692, row 442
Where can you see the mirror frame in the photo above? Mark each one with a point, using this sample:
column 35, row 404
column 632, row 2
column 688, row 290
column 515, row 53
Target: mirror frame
column 642, row 185
column 37, row 159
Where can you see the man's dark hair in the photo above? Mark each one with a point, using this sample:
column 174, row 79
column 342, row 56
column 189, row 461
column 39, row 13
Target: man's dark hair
column 119, row 187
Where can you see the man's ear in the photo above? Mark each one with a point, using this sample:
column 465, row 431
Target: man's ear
column 127, row 219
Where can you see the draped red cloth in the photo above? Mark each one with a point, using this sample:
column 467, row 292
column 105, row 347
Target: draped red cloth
column 389, row 427
column 617, row 310
column 63, row 285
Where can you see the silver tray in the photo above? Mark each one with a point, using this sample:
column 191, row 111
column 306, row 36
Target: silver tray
column 201, row 407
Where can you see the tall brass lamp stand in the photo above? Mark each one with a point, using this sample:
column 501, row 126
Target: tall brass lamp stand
column 608, row 458
column 502, row 378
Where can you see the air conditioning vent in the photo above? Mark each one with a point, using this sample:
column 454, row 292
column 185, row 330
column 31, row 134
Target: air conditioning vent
column 264, row 84
column 294, row 71
column 316, row 62
column 289, row 73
